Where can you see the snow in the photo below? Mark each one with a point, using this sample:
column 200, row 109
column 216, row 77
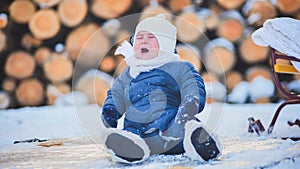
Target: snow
column 76, row 127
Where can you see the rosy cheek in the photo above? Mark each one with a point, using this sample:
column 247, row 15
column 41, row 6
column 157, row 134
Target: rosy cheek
column 136, row 48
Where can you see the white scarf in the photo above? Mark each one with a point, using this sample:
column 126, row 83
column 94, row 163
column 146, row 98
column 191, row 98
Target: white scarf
column 137, row 66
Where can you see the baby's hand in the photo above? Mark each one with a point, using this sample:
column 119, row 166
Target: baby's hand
column 125, row 49
column 187, row 110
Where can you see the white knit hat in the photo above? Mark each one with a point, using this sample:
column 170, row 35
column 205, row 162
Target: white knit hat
column 162, row 29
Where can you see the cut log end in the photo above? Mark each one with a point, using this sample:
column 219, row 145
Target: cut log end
column 230, row 29
column 44, row 24
column 72, row 12
column 9, row 85
column 231, row 4
column 178, row 5
column 189, row 26
column 58, row 68
column 30, row 92
column 232, row 79
column 20, row 65
column 252, row 53
column 21, row 11
column 108, row 64
column 28, row 41
column 42, row 54
column 220, row 60
column 190, row 55
column 87, row 45
column 288, row 6
column 109, row 9
column 95, row 87
column 150, row 11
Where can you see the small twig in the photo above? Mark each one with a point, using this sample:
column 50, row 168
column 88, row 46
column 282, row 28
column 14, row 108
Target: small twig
column 29, row 141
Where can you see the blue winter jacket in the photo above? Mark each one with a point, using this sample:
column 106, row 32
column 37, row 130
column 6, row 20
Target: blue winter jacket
column 152, row 99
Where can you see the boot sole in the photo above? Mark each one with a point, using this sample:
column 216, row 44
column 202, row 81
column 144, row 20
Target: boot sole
column 124, row 147
column 204, row 144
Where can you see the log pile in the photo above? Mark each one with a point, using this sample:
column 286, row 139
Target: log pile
column 46, row 46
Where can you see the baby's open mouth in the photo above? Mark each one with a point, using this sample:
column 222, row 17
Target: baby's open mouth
column 144, row 50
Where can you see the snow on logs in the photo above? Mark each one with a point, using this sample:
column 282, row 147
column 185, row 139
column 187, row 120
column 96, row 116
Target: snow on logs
column 3, row 20
column 4, row 100
column 250, row 52
column 210, row 18
column 47, row 3
column 258, row 11
column 55, row 90
column 219, row 56
column 231, row 26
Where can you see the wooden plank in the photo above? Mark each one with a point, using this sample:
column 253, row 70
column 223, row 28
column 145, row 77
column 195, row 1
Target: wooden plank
column 289, row 69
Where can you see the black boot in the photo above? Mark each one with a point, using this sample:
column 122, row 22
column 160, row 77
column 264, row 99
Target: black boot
column 126, row 147
column 199, row 143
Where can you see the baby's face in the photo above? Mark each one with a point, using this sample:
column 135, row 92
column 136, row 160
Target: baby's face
column 146, row 45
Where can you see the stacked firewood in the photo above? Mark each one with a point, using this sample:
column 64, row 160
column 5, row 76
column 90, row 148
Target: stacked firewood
column 48, row 46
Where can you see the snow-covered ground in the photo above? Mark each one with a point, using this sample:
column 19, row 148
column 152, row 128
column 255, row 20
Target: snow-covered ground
column 75, row 126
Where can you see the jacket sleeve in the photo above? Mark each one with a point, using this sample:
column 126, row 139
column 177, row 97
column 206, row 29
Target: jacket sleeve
column 114, row 105
column 192, row 89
